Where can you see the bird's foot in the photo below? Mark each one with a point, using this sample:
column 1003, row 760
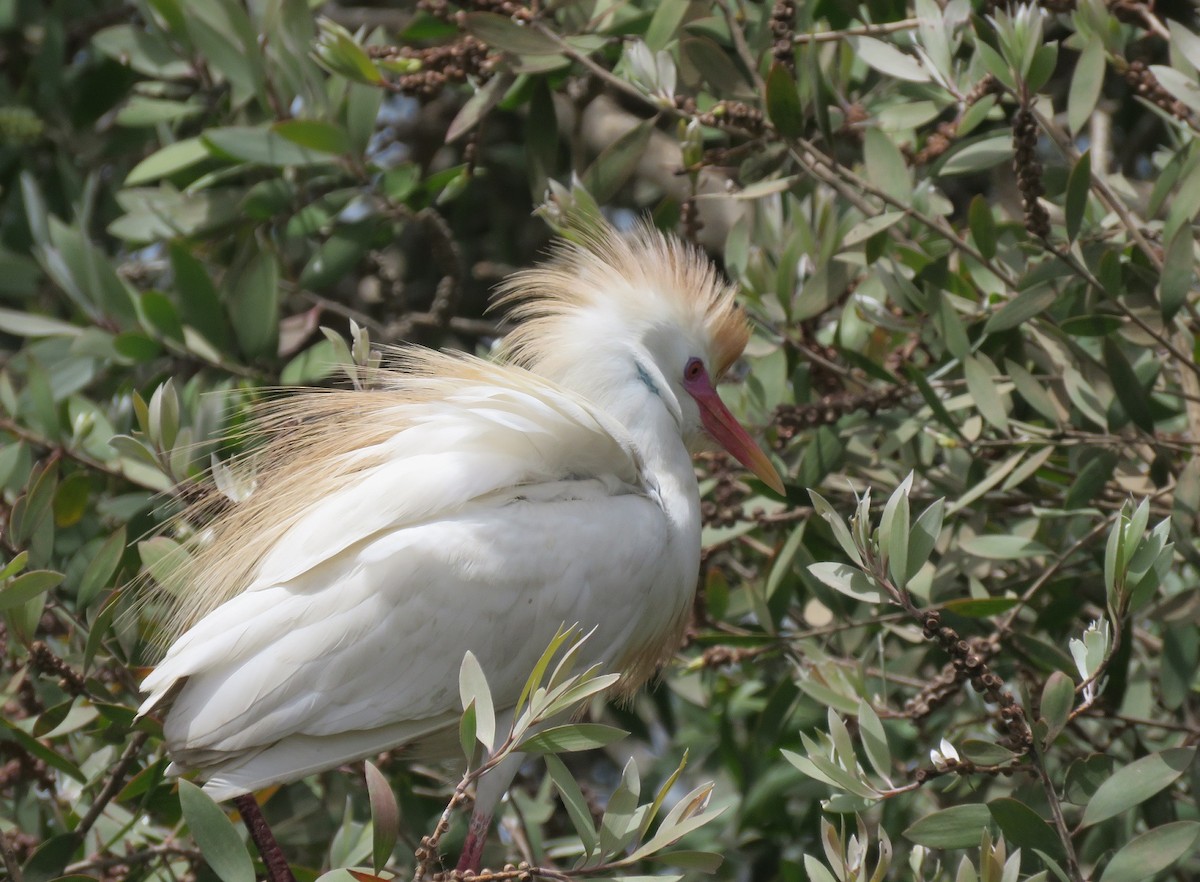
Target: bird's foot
column 472, row 853
column 272, row 855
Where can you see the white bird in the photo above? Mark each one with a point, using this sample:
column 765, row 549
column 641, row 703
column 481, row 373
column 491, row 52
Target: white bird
column 462, row 505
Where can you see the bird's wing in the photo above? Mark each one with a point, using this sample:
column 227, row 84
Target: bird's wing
column 454, row 430
column 362, row 653
column 474, row 527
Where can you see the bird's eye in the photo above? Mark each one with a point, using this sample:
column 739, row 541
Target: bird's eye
column 693, row 370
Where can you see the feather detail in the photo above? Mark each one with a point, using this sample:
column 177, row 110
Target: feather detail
column 646, row 277
column 318, row 446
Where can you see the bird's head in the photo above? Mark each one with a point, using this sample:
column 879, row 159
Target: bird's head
column 627, row 319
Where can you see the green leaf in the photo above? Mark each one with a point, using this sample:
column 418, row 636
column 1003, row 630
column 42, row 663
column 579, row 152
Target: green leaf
column 501, row 32
column 158, row 316
column 101, row 568
column 985, row 753
column 332, row 261
column 571, row 737
column 617, row 162
column 473, row 690
column 991, row 547
column 1133, row 396
column 1152, row 852
column 959, row 826
column 923, row 536
column 314, row 134
column 1178, row 273
column 1024, row 827
column 1058, row 697
column 253, row 294
column 981, row 383
column 168, row 160
column 706, row 862
column 983, row 226
column 573, row 800
column 1086, row 83
column 27, row 586
column 100, row 627
column 1079, row 184
column 894, row 528
column 889, row 60
column 337, row 51
column 783, row 102
column 385, row 817
column 1028, row 303
column 977, row 156
column 219, row 842
column 261, row 145
column 874, row 738
column 25, row 324
column 664, row 24
column 885, row 165
column 980, row 607
column 616, row 826
column 1137, row 782
column 848, row 580
column 477, row 107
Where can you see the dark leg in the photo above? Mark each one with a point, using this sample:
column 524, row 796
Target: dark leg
column 264, row 839
column 477, row 833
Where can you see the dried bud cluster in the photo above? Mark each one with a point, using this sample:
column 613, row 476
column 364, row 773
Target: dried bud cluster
column 449, row 63
column 42, row 658
column 793, row 418
column 852, row 123
column 724, row 114
column 724, row 508
column 783, row 22
column 19, row 126
column 969, row 662
column 689, row 219
column 1129, row 11
column 1147, row 86
column 943, row 137
column 1029, row 172
column 522, row 872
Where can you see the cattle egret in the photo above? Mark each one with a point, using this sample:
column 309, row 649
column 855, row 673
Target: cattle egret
column 461, row 505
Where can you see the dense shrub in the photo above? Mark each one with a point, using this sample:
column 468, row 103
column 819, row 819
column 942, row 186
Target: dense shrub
column 963, row 647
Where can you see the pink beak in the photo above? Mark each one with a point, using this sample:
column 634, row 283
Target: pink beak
column 726, row 431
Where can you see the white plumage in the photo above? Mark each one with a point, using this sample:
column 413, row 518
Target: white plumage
column 461, row 505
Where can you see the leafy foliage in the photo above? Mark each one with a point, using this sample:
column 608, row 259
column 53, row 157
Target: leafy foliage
column 967, row 236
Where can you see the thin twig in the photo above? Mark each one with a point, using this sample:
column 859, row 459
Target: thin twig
column 870, row 30
column 11, row 864
column 116, row 778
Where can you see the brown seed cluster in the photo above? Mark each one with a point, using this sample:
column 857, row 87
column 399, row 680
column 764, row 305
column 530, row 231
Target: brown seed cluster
column 689, row 219
column 522, row 872
column 943, row 137
column 1130, row 11
column 783, row 23
column 43, row 659
column 791, row 419
column 1147, row 86
column 969, row 663
column 441, row 65
column 724, row 507
column 725, row 114
column 1029, row 172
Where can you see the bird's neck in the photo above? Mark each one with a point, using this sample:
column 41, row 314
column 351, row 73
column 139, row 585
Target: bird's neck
column 655, row 432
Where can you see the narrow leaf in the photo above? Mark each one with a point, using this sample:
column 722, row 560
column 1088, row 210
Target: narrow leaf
column 385, row 817
column 473, row 690
column 215, row 835
column 1136, row 783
